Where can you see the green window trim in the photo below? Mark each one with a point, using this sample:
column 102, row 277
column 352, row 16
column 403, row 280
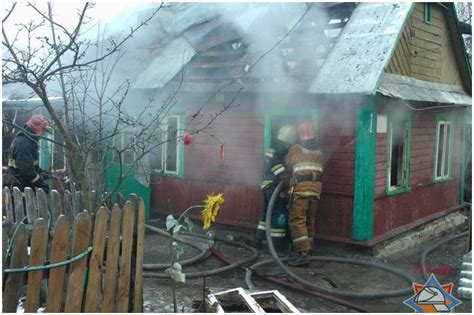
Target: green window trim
column 446, row 119
column 428, row 12
column 180, row 150
column 405, row 186
column 267, row 130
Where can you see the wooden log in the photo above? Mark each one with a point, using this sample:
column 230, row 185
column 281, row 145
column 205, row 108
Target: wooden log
column 8, row 204
column 138, row 289
column 31, row 208
column 59, row 253
column 68, row 205
column 18, row 204
column 55, row 205
column 11, row 288
column 113, row 247
column 75, row 285
column 128, row 223
column 95, row 262
column 42, row 202
column 39, row 244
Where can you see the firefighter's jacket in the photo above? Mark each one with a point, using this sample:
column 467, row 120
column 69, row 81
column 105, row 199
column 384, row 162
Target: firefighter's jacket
column 275, row 168
column 306, row 165
column 23, row 163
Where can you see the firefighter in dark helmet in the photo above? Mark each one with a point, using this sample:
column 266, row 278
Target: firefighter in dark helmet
column 275, row 170
column 305, row 161
column 23, row 163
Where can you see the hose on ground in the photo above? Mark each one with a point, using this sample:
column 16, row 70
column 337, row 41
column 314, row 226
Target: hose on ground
column 203, row 253
column 425, row 253
column 369, row 295
column 207, row 273
column 329, row 298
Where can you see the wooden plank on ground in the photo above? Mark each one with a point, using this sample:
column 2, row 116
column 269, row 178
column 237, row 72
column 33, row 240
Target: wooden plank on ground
column 39, row 244
column 59, row 253
column 68, row 206
column 42, row 202
column 31, row 208
column 7, row 202
column 128, row 223
column 18, row 204
column 13, row 283
column 95, row 262
column 55, row 205
column 113, row 247
column 138, row 290
column 75, row 285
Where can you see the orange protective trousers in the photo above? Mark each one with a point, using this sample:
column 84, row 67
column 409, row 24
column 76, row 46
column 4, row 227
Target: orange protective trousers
column 302, row 220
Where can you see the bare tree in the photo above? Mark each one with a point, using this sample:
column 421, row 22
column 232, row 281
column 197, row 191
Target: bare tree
column 464, row 11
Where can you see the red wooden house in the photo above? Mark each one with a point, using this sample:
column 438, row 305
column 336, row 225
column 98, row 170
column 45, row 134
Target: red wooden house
column 386, row 84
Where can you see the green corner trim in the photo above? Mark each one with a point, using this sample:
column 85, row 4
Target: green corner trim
column 364, row 172
column 464, row 122
column 405, row 187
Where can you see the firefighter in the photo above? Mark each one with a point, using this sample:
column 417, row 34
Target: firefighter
column 23, row 163
column 305, row 160
column 275, row 170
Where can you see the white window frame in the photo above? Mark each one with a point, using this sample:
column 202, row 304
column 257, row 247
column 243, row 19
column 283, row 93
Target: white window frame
column 164, row 146
column 446, row 160
column 121, row 145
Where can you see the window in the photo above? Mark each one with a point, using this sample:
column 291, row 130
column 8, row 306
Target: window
column 398, row 154
column 428, row 12
column 442, row 165
column 166, row 157
column 123, row 143
column 58, row 152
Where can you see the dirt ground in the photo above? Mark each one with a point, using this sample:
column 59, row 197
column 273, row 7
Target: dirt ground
column 445, row 262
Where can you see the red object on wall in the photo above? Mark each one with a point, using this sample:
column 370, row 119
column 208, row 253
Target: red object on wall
column 187, row 138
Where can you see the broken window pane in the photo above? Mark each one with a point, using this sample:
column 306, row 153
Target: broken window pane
column 397, row 159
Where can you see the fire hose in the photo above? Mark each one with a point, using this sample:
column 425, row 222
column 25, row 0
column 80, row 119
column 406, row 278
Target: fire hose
column 307, row 284
column 232, row 265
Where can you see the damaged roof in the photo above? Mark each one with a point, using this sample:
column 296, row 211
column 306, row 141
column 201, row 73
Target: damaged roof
column 362, row 51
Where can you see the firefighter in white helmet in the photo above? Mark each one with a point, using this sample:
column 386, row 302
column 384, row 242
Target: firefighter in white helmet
column 275, row 170
column 305, row 161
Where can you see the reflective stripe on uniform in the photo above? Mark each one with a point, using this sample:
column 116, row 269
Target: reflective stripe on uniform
column 269, row 154
column 300, row 239
column 37, row 177
column 277, row 169
column 307, row 166
column 12, row 163
column 265, row 183
column 306, row 193
column 36, row 162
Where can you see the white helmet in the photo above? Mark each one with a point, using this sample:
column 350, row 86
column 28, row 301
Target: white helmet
column 287, row 134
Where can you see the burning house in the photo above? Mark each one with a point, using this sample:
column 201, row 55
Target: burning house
column 387, row 86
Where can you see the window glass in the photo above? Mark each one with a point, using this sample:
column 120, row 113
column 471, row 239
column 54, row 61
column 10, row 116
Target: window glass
column 172, row 144
column 443, row 153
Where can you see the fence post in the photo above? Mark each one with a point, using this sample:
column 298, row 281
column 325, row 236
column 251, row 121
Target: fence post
column 7, row 201
column 55, row 205
column 31, row 208
column 59, row 252
column 75, row 285
column 39, row 244
column 140, row 243
column 11, row 289
column 18, row 204
column 42, row 202
column 128, row 223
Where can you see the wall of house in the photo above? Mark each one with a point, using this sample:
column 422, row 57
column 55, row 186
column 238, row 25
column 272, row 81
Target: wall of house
column 425, row 51
column 426, row 198
column 239, row 173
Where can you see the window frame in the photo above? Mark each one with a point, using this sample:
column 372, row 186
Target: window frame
column 405, row 186
column 428, row 12
column 122, row 141
column 443, row 118
column 179, row 148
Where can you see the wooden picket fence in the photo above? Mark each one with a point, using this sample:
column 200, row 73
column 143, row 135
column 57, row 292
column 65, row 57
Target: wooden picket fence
column 99, row 267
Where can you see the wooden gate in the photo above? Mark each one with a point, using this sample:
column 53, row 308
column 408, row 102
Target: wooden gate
column 60, row 261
